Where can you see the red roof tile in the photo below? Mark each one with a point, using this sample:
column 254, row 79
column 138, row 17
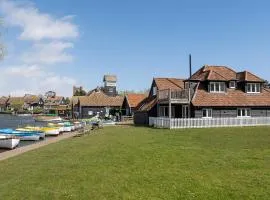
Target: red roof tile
column 214, row 73
column 169, row 83
column 247, row 76
column 232, row 98
column 135, row 99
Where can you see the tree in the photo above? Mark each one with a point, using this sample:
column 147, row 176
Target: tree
column 80, row 92
column 17, row 105
column 67, row 101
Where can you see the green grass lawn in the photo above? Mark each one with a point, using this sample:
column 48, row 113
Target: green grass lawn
column 143, row 163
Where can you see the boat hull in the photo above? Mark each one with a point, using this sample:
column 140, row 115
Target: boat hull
column 8, row 143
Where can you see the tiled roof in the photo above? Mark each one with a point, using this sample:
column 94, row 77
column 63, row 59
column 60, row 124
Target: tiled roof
column 56, row 98
column 53, row 101
column 3, row 100
column 135, row 99
column 223, row 73
column 147, row 104
column 232, row 98
column 247, row 76
column 169, row 83
column 111, row 78
column 99, row 99
column 214, row 73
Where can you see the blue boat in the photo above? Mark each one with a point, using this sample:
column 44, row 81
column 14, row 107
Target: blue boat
column 30, row 136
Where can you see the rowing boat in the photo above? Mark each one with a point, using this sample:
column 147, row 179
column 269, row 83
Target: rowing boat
column 8, row 142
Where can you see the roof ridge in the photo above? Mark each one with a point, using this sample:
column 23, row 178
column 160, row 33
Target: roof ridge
column 254, row 75
column 174, row 83
column 219, row 74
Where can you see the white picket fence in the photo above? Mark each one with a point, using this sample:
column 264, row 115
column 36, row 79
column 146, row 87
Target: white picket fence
column 174, row 123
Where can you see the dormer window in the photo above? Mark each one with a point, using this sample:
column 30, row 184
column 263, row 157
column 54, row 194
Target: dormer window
column 232, row 84
column 253, row 88
column 154, row 91
column 217, row 87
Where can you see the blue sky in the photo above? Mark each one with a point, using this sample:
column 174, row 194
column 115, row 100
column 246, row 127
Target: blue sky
column 136, row 40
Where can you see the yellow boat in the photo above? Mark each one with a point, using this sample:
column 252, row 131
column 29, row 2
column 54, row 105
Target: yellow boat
column 46, row 130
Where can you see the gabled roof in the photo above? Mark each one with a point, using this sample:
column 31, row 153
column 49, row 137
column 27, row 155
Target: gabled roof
column 147, row 104
column 249, row 77
column 53, row 101
column 232, row 98
column 169, row 83
column 135, row 99
column 3, row 100
column 99, row 99
column 213, row 73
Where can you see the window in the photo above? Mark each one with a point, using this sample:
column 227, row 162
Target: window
column 253, row 88
column 243, row 112
column 154, row 91
column 207, row 113
column 164, row 111
column 232, row 84
column 217, row 87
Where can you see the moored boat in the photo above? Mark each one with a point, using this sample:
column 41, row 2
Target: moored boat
column 45, row 118
column 29, row 136
column 50, row 131
column 66, row 127
column 31, row 130
column 8, row 142
column 56, row 126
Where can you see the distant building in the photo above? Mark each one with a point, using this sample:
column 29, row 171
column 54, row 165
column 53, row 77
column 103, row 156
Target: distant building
column 131, row 103
column 110, row 85
column 99, row 101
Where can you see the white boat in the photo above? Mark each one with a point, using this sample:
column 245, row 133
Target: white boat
column 51, row 131
column 33, row 137
column 7, row 142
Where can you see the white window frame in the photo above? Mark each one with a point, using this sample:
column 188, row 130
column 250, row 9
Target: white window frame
column 209, row 112
column 154, row 91
column 217, row 86
column 253, row 88
column 162, row 111
column 232, row 84
column 244, row 112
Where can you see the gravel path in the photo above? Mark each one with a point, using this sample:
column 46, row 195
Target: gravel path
column 20, row 150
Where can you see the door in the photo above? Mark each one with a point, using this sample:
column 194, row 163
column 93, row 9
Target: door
column 185, row 111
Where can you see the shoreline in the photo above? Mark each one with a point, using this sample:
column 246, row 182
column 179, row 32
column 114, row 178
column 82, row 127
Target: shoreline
column 17, row 151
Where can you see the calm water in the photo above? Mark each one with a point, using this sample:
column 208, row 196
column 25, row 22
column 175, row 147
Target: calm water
column 11, row 121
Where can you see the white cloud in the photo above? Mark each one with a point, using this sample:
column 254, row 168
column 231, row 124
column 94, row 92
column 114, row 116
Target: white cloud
column 25, row 71
column 36, row 25
column 20, row 80
column 49, row 41
column 48, row 53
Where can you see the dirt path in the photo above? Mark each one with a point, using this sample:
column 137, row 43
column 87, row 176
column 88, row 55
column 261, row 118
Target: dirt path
column 20, row 150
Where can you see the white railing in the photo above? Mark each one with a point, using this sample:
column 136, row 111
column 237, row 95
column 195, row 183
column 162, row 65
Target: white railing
column 174, row 123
